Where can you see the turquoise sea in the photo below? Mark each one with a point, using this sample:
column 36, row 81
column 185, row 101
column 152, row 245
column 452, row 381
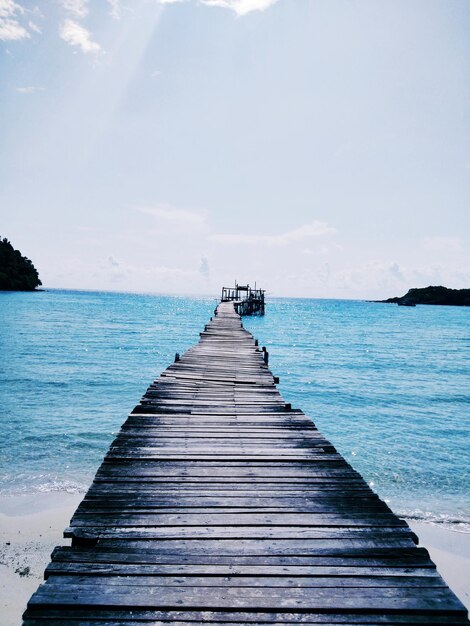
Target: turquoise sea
column 388, row 385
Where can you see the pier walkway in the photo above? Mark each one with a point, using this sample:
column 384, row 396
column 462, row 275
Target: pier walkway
column 217, row 503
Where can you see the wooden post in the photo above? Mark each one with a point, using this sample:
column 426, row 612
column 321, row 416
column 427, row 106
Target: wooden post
column 265, row 355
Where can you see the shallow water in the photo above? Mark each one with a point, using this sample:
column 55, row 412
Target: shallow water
column 388, row 385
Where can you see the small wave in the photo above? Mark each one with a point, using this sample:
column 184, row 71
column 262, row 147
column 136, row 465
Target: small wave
column 61, row 486
column 41, row 484
column 459, row 524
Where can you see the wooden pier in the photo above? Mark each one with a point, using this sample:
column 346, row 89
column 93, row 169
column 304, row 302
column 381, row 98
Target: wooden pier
column 247, row 301
column 218, row 503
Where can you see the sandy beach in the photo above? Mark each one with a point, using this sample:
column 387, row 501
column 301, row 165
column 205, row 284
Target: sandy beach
column 30, row 527
column 27, row 539
column 450, row 551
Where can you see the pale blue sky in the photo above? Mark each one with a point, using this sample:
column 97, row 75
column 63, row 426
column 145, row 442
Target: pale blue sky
column 320, row 147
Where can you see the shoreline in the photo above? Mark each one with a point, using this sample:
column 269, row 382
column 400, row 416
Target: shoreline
column 27, row 540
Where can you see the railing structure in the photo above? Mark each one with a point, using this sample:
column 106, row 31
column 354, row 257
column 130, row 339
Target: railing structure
column 247, row 301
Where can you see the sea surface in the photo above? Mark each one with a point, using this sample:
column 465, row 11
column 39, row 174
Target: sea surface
column 388, row 385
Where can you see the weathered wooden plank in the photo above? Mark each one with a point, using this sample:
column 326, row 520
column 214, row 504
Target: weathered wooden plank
column 171, row 598
column 126, row 617
column 252, row 582
column 266, row 532
column 272, row 547
column 324, row 504
column 57, row 567
column 204, row 619
column 107, row 618
column 372, row 557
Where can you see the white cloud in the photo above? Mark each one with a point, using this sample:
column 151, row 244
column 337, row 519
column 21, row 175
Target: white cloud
column 11, row 30
column 442, row 244
column 78, row 36
column 374, row 279
column 380, row 279
column 241, row 7
column 9, row 8
column 150, row 270
column 204, row 268
column 396, row 272
column 170, row 272
column 170, row 214
column 28, row 90
column 10, row 27
column 136, row 274
column 115, row 9
column 77, row 8
column 312, row 229
column 34, row 27
column 115, row 272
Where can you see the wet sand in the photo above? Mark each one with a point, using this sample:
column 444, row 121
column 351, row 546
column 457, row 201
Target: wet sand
column 31, row 526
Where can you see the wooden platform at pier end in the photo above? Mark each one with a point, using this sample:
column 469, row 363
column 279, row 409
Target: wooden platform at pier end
column 218, row 504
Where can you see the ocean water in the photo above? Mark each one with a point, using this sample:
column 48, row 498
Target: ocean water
column 388, row 385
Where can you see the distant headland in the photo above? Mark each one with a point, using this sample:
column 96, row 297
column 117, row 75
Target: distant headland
column 17, row 273
column 432, row 295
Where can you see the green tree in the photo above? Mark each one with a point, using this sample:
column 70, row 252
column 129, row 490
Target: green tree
column 17, row 273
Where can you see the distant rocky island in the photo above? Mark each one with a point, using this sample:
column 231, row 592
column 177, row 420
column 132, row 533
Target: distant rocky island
column 17, row 273
column 433, row 295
